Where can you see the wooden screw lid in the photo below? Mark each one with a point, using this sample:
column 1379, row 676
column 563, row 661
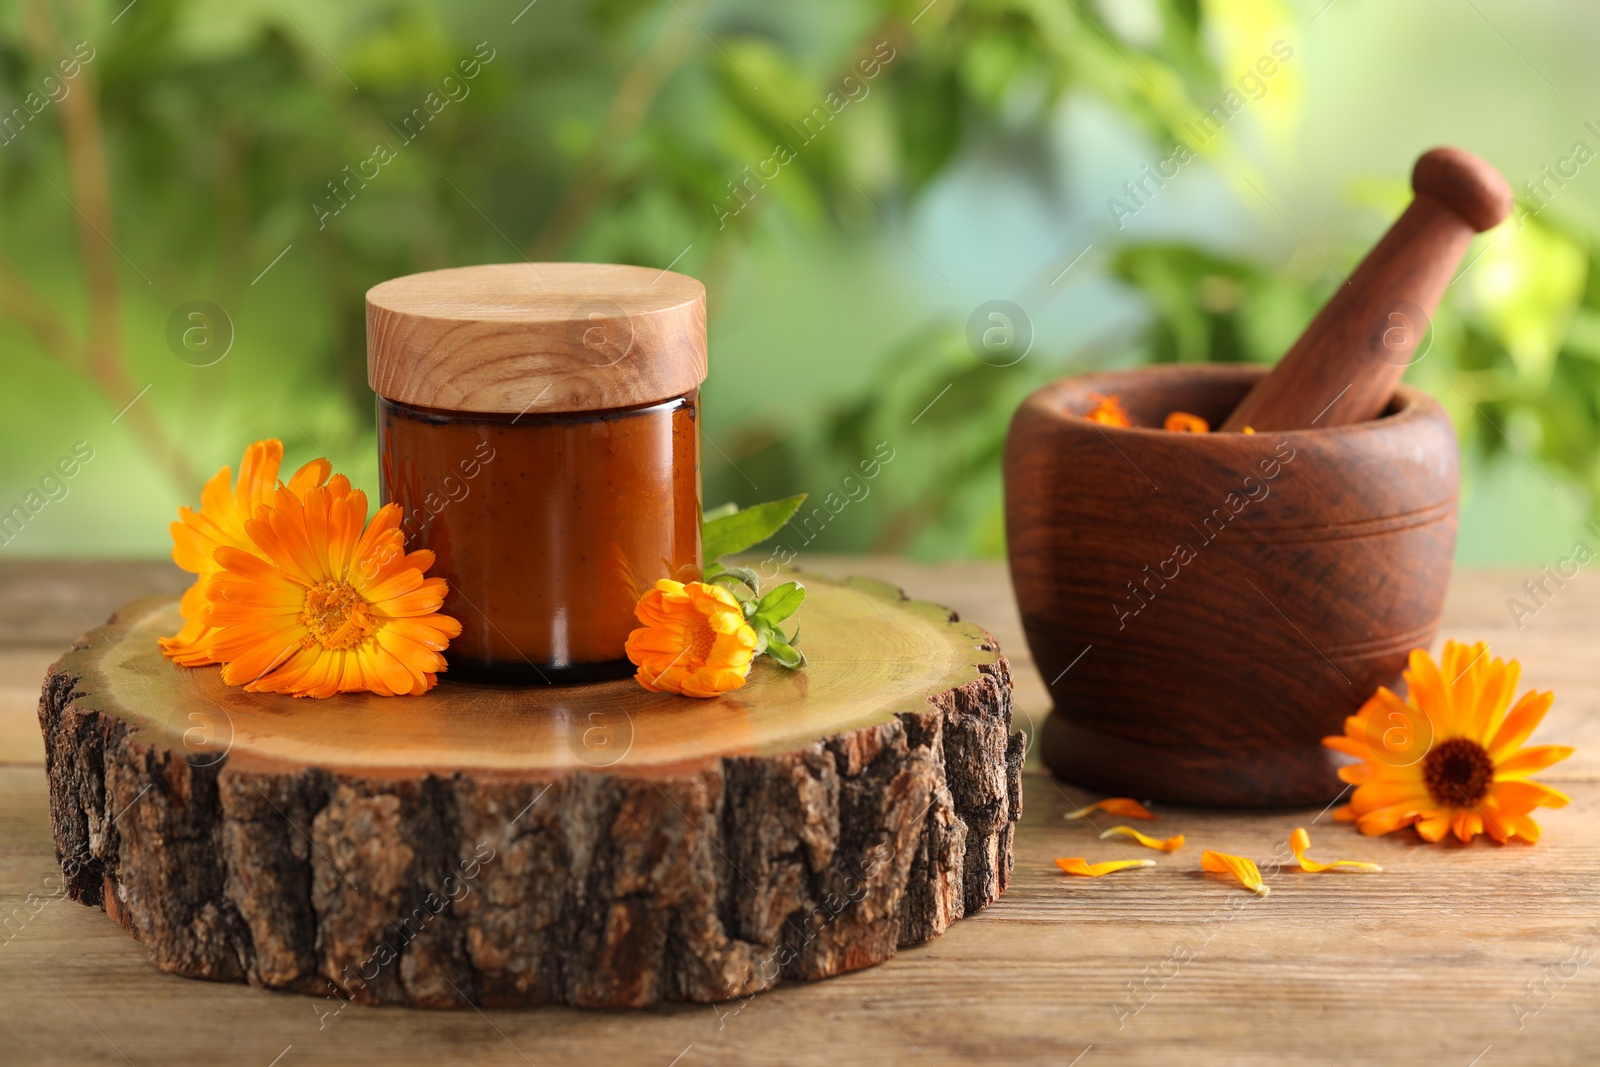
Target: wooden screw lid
column 536, row 337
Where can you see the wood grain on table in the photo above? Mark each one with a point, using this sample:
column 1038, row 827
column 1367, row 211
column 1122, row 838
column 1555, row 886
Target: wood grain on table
column 1477, row 955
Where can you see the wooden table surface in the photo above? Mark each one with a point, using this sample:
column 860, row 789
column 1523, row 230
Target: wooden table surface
column 1478, row 955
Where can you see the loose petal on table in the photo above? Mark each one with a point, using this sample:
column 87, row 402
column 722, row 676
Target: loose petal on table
column 1300, row 841
column 1077, row 865
column 1164, row 844
column 1245, row 870
column 1127, row 807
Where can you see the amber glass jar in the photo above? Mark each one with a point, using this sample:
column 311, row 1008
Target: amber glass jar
column 538, row 426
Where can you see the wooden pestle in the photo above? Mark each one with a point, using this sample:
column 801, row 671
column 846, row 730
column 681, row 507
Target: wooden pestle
column 1346, row 365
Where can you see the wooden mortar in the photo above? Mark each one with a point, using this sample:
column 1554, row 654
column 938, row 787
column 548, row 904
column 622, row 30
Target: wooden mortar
column 1206, row 607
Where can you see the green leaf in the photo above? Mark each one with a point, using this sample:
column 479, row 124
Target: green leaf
column 780, row 603
column 785, row 653
column 738, row 574
column 719, row 512
column 726, row 534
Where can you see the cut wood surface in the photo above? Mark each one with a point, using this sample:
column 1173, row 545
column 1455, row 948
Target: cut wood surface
column 597, row 845
column 1453, row 955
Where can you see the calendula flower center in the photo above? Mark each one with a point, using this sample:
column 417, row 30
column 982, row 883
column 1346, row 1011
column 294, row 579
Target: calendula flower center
column 1458, row 772
column 698, row 637
column 335, row 616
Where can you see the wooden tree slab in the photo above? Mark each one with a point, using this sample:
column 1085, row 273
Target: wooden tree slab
column 593, row 845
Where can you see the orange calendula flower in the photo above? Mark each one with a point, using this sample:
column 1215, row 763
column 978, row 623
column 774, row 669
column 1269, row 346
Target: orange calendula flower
column 1183, row 422
column 1077, row 865
column 333, row 604
column 1245, row 870
column 694, row 640
column 1127, row 807
column 1164, row 844
column 1300, row 841
column 1108, row 411
column 224, row 509
column 1449, row 757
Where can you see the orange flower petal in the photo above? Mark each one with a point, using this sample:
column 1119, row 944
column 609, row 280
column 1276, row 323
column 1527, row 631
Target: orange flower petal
column 1349, row 746
column 1108, row 411
column 1388, row 791
column 1245, row 870
column 694, row 641
column 424, row 633
column 1300, row 841
column 1164, row 844
column 393, row 586
column 1388, row 819
column 1356, row 773
column 1524, row 827
column 1531, row 760
column 1127, row 807
column 1463, row 669
column 1522, row 721
column 1457, row 708
column 1520, row 796
column 1183, row 422
column 221, row 522
column 1432, row 827
column 292, row 610
column 252, row 661
column 1495, row 823
column 1427, row 689
column 1497, row 693
column 1076, row 865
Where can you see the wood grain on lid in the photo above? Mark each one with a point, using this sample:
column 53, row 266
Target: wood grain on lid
column 536, row 337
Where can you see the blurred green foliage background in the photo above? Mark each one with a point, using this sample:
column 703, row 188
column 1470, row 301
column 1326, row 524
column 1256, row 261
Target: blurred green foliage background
column 940, row 155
